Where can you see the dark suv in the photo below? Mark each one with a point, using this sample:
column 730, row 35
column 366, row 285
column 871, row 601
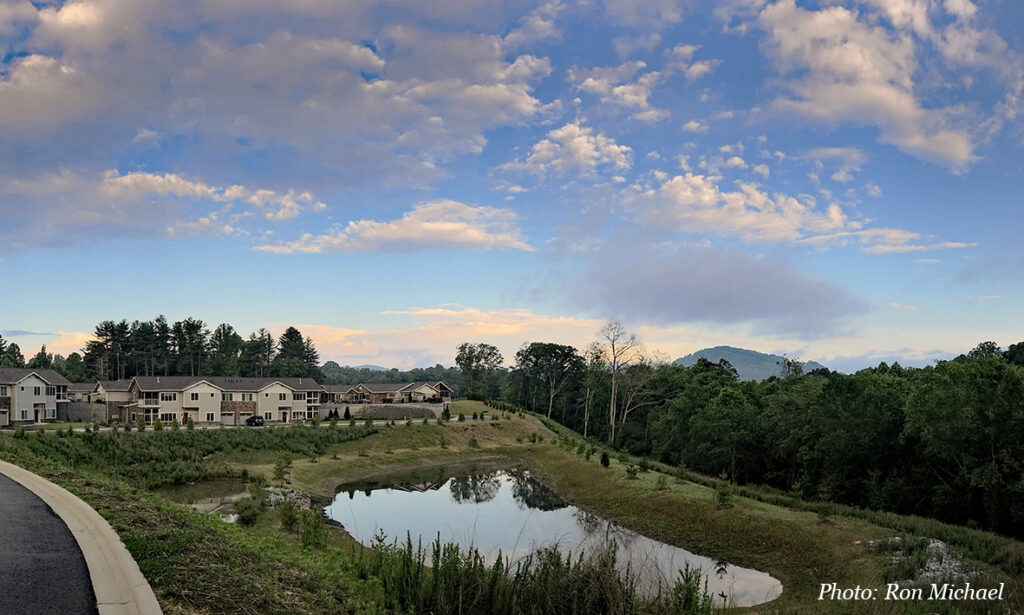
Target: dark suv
column 254, row 421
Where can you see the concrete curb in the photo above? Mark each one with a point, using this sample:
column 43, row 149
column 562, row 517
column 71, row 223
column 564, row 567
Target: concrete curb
column 117, row 581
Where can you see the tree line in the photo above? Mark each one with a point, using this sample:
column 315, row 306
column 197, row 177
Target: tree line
column 122, row 350
column 944, row 441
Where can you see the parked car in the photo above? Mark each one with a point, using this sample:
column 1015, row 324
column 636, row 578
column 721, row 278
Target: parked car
column 254, row 421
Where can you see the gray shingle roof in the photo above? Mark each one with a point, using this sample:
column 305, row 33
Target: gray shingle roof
column 226, row 383
column 81, row 387
column 12, row 375
column 115, row 385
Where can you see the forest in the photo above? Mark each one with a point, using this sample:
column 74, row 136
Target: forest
column 944, row 441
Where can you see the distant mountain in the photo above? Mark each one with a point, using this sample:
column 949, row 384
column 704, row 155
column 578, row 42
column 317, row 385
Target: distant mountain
column 750, row 364
column 376, row 368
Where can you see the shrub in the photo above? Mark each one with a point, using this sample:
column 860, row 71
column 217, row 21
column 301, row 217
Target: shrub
column 158, row 425
column 662, row 483
column 141, row 425
column 175, row 425
column 622, row 457
column 248, row 510
column 127, row 426
column 312, row 530
column 348, row 414
column 334, row 421
column 280, row 468
column 368, row 422
column 289, row 515
column 426, row 420
column 604, row 459
column 191, row 424
column 473, row 443
column 444, row 443
column 632, row 472
column 644, row 465
column 462, row 417
column 723, row 495
column 351, row 421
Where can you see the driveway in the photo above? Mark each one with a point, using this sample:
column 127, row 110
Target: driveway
column 42, row 569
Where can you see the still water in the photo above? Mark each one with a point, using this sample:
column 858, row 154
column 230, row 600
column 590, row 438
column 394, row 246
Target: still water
column 510, row 511
column 211, row 496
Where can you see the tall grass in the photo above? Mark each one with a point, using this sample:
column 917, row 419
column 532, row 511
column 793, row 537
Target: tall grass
column 445, row 578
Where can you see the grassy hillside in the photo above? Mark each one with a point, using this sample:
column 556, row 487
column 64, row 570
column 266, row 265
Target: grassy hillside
column 198, row 564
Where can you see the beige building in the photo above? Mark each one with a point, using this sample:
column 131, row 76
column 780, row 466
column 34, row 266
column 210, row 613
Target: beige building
column 111, row 397
column 390, row 393
column 32, row 396
column 225, row 400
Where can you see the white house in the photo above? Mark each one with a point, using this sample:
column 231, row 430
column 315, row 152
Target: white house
column 32, row 396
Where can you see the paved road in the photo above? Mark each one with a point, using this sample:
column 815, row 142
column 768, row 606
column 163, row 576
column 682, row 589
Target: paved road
column 42, row 570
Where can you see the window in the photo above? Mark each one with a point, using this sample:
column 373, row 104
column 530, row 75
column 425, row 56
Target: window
column 209, row 417
column 168, row 397
column 166, row 418
column 266, row 395
column 3, row 391
column 268, row 416
column 283, row 397
column 36, row 390
column 51, row 391
column 24, row 415
column 246, row 396
column 51, row 413
column 194, row 396
column 227, row 397
column 298, row 396
column 312, row 397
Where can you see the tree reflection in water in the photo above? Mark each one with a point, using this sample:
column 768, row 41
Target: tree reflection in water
column 531, row 493
column 475, row 488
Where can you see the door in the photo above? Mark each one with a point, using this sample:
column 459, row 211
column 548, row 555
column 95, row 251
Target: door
column 4, row 418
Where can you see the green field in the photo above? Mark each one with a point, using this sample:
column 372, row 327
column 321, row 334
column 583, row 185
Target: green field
column 198, row 564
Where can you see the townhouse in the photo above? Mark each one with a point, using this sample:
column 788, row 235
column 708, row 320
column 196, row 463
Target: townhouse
column 112, row 396
column 391, row 393
column 225, row 400
column 32, row 396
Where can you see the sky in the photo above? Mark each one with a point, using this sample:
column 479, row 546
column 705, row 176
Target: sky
column 838, row 181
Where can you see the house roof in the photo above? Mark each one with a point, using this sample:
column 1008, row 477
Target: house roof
column 225, row 383
column 115, row 385
column 395, row 387
column 14, row 375
column 81, row 387
column 339, row 388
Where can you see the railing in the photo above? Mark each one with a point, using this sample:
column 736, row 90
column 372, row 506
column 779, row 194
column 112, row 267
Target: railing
column 151, row 401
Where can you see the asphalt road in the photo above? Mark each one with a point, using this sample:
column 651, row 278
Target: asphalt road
column 42, row 570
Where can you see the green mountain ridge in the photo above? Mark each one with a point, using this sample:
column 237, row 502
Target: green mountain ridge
column 750, row 364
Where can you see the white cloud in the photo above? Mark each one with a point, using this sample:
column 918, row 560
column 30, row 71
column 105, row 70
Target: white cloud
column 762, row 170
column 737, row 162
column 574, row 149
column 537, row 25
column 848, row 160
column 626, row 46
column 622, row 86
column 836, row 67
column 437, row 225
column 902, row 306
column 695, row 203
column 695, row 126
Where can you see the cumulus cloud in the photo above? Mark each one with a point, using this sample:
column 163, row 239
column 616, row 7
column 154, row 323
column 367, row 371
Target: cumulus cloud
column 836, row 67
column 695, row 126
column 649, row 13
column 623, row 86
column 437, row 225
column 67, row 207
column 696, row 203
column 537, row 25
column 574, row 149
column 846, row 161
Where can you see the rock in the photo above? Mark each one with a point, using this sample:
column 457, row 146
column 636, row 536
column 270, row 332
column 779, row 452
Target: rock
column 281, row 494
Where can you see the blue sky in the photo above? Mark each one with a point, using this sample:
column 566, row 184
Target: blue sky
column 834, row 180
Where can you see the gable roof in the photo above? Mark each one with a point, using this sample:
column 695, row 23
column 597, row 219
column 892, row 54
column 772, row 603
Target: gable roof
column 14, row 375
column 81, row 387
column 115, row 385
column 225, row 383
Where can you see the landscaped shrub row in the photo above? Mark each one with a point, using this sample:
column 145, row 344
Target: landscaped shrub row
column 170, row 457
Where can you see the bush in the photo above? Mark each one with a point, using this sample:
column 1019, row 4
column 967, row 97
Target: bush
column 289, row 515
column 644, row 465
column 190, row 425
column 141, row 425
column 312, row 530
column 604, row 459
column 723, row 495
column 127, row 426
column 158, row 425
column 351, row 421
column 334, row 421
column 462, row 417
column 368, row 422
column 248, row 510
column 632, row 472
column 175, row 426
column 473, row 443
column 348, row 414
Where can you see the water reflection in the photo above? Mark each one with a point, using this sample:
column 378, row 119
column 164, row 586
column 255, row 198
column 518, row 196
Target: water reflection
column 511, row 512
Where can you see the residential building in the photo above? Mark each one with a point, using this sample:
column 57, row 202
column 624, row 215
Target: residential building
column 112, row 396
column 397, row 392
column 80, row 391
column 32, row 396
column 225, row 400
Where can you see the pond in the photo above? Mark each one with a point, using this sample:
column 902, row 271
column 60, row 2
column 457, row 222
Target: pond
column 511, row 511
column 213, row 496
